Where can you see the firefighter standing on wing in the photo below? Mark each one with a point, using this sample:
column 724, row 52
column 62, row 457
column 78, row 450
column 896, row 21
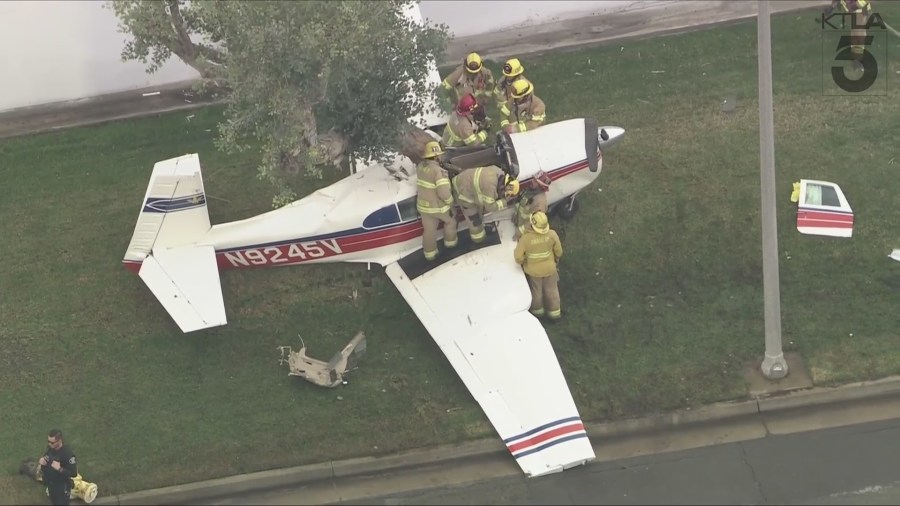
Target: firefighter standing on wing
column 462, row 129
column 434, row 201
column 538, row 252
column 471, row 77
column 532, row 198
column 512, row 72
column 526, row 110
column 58, row 468
column 482, row 190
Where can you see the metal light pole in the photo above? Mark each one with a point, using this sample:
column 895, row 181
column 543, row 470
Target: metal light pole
column 774, row 365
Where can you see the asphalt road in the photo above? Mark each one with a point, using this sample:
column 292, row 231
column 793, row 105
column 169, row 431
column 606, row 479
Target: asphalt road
column 855, row 464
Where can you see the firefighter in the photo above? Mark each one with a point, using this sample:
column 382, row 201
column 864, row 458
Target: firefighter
column 532, row 198
column 538, row 252
column 512, row 72
column 526, row 110
column 471, row 77
column 482, row 190
column 462, row 129
column 434, row 201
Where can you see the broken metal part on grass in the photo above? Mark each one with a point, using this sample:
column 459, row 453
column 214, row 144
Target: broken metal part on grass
column 327, row 374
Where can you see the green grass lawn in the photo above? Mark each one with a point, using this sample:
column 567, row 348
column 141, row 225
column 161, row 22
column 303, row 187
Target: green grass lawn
column 661, row 282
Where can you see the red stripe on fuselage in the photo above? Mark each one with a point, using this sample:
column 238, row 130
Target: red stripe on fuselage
column 301, row 251
column 370, row 240
column 565, row 171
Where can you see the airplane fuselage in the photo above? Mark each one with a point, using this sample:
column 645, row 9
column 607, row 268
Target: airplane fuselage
column 371, row 216
column 388, row 232
column 366, row 217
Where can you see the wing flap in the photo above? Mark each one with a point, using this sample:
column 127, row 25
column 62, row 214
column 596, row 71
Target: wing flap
column 476, row 309
column 185, row 280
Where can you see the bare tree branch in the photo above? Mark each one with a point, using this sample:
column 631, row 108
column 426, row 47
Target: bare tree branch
column 178, row 24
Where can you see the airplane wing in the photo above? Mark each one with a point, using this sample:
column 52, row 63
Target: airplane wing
column 186, row 282
column 475, row 307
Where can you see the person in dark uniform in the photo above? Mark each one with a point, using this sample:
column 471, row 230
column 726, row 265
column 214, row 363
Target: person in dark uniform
column 58, row 468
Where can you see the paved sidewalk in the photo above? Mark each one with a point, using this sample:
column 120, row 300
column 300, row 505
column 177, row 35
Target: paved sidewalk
column 656, row 20
column 100, row 109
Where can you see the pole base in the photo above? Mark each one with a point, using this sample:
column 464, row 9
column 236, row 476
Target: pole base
column 774, row 368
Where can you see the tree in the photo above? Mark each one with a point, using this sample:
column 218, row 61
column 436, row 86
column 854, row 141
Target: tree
column 356, row 70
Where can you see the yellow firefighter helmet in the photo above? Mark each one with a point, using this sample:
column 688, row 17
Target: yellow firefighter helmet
column 432, row 149
column 539, row 222
column 521, row 89
column 473, row 63
column 509, row 185
column 512, row 67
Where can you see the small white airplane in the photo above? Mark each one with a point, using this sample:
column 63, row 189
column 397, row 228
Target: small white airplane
column 499, row 350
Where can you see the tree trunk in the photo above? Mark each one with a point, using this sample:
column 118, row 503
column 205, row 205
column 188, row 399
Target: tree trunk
column 333, row 148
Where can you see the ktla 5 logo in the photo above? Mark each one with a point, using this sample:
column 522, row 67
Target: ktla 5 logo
column 854, row 48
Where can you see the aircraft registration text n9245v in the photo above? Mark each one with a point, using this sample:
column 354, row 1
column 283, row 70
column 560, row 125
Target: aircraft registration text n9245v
column 284, row 254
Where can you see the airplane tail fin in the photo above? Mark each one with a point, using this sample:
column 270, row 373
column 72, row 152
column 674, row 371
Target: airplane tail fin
column 174, row 209
column 167, row 251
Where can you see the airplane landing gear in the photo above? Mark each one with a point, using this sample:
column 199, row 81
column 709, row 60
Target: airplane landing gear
column 566, row 209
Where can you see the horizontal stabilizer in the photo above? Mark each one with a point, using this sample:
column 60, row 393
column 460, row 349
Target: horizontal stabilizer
column 186, row 282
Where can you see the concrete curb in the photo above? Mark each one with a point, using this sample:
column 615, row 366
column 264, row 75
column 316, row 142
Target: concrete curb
column 132, row 115
column 139, row 103
column 475, row 450
column 819, row 396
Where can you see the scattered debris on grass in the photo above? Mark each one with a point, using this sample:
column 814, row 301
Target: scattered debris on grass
column 327, row 374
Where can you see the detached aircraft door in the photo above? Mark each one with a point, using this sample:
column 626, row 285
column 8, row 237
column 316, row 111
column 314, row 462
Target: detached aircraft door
column 823, row 210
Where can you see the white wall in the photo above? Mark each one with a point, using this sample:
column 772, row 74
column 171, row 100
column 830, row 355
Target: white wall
column 62, row 50
column 472, row 17
column 53, row 51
